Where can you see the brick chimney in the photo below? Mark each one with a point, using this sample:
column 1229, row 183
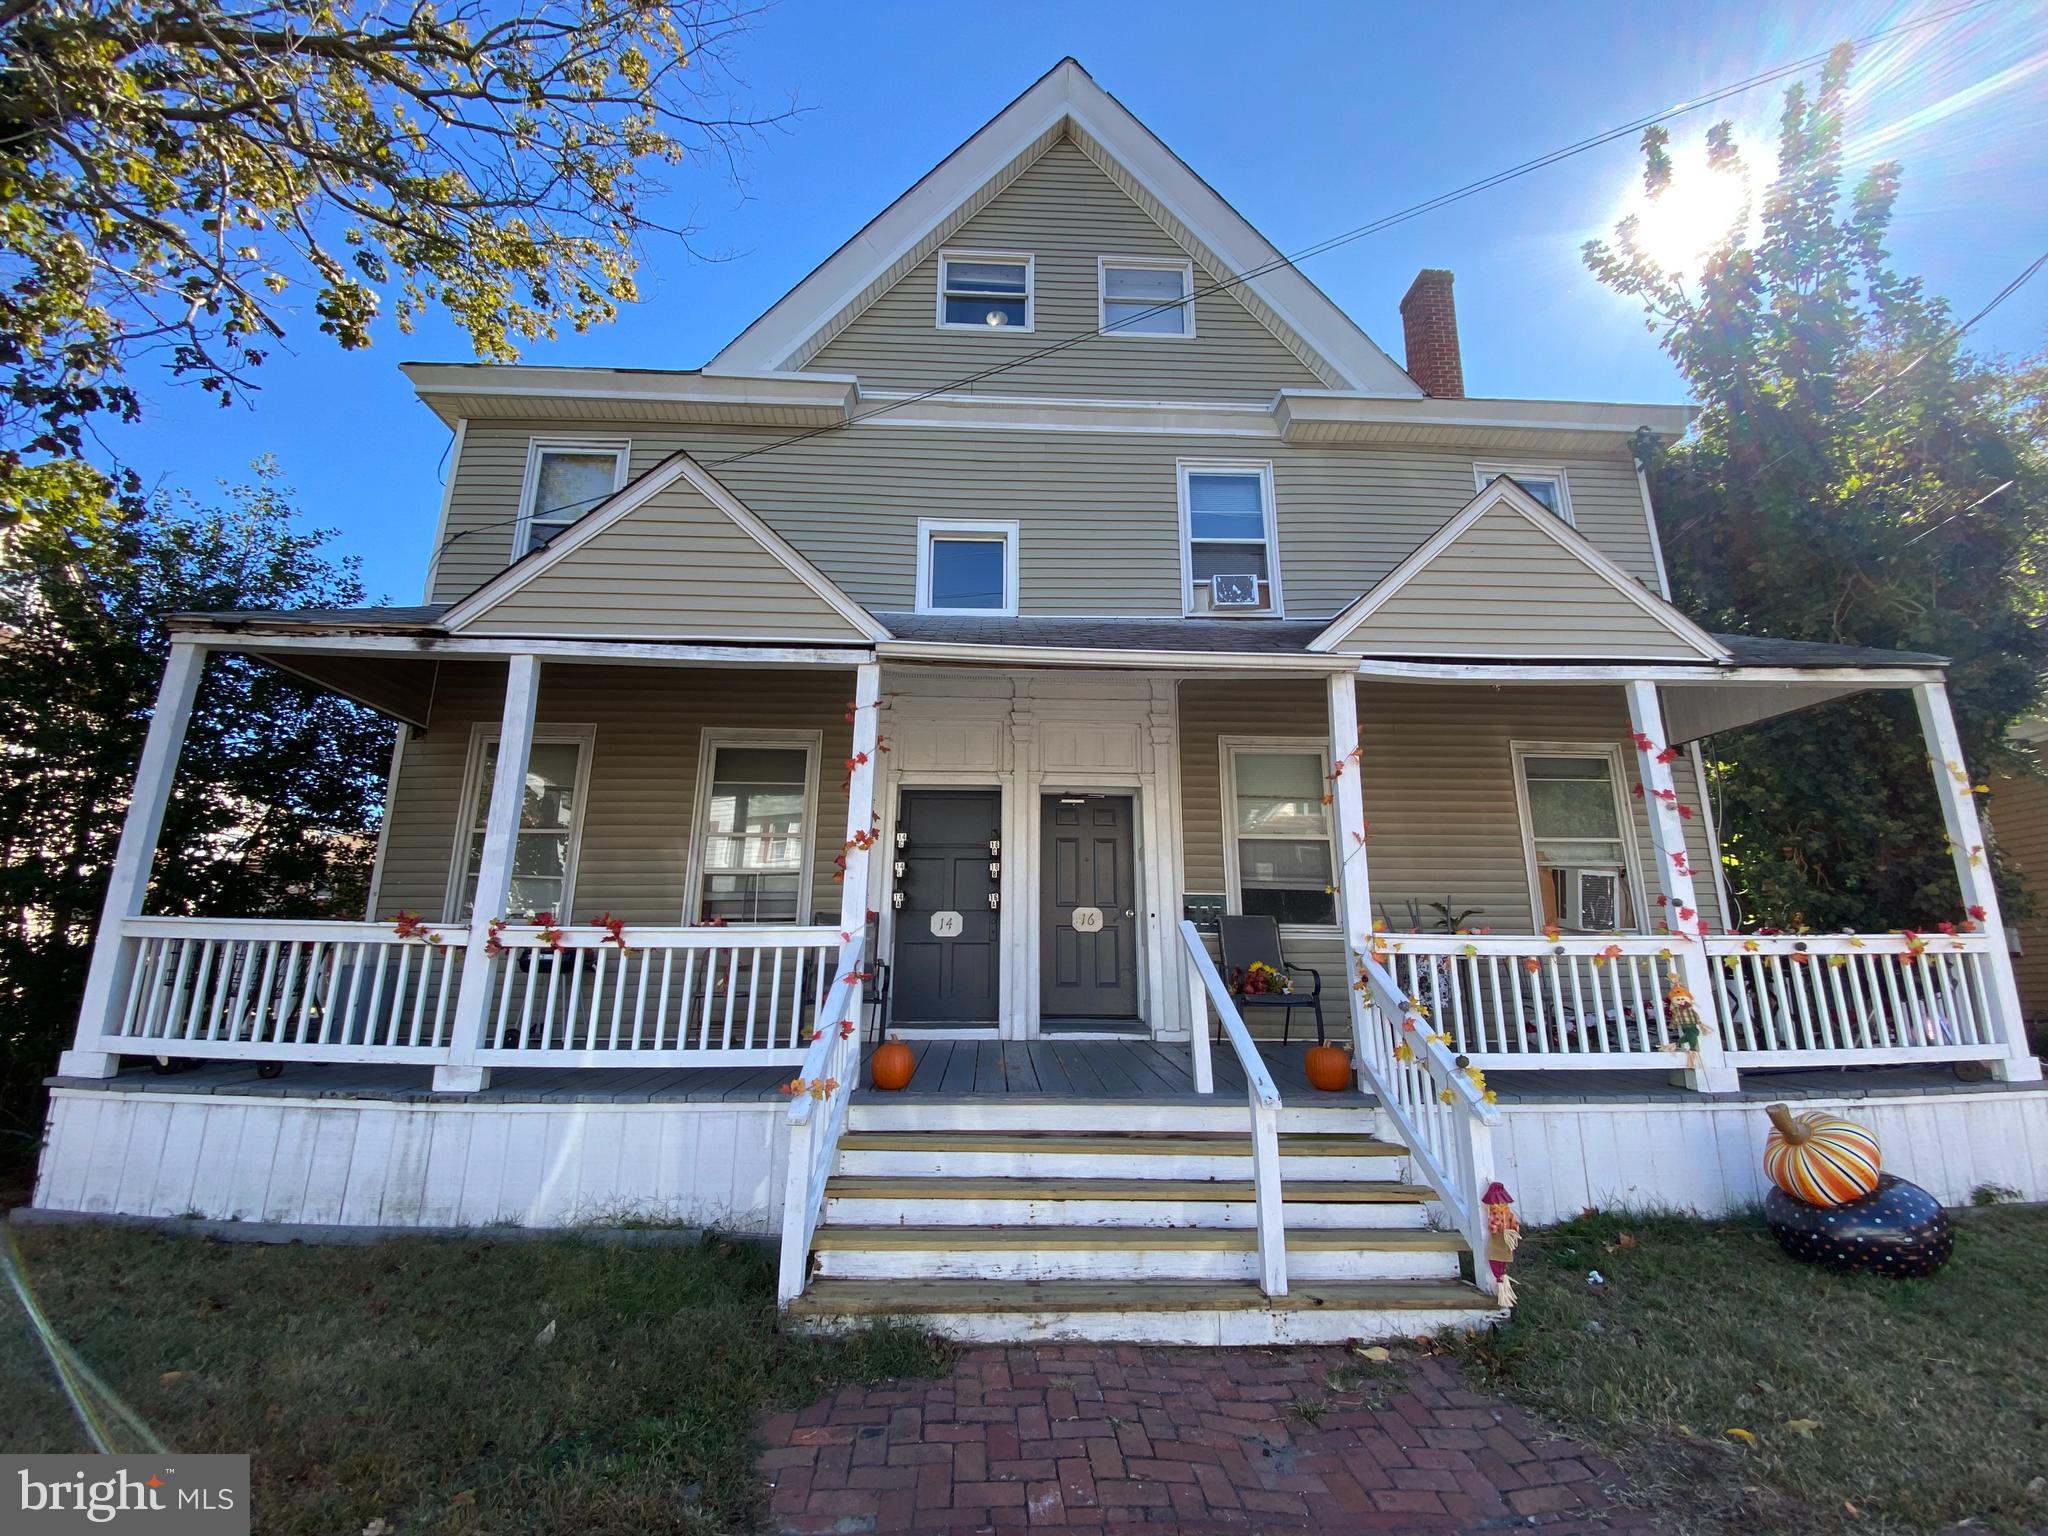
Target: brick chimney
column 1429, row 323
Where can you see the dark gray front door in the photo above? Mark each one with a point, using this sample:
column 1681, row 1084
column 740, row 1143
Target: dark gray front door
column 1088, row 965
column 945, row 952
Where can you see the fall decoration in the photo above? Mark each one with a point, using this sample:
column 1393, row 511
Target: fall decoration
column 1259, row 980
column 1503, row 1232
column 1328, row 1067
column 891, row 1065
column 1897, row 1230
column 1820, row 1158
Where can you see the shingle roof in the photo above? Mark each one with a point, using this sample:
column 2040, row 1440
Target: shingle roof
column 1763, row 651
column 417, row 616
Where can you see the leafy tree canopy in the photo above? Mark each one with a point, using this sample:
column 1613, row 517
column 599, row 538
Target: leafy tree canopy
column 182, row 180
column 280, row 783
column 1856, row 476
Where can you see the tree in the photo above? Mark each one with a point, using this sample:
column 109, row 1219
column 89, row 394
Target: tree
column 1855, row 476
column 280, row 784
column 174, row 172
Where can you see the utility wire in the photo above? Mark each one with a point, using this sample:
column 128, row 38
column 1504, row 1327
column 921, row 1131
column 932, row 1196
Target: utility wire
column 1376, row 226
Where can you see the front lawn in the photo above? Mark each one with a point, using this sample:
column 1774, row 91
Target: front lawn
column 438, row 1385
column 1866, row 1405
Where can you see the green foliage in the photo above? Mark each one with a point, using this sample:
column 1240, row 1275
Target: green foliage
column 280, row 783
column 1856, row 477
column 177, row 177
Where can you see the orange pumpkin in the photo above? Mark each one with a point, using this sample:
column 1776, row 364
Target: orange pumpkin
column 1819, row 1158
column 1328, row 1067
column 891, row 1065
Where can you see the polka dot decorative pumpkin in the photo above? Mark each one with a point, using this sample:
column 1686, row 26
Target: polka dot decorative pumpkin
column 1821, row 1159
column 1899, row 1231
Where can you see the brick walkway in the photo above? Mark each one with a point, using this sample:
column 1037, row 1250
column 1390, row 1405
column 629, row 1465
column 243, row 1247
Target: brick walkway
column 1124, row 1439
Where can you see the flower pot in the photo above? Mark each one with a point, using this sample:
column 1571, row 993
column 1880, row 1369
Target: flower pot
column 891, row 1065
column 1328, row 1067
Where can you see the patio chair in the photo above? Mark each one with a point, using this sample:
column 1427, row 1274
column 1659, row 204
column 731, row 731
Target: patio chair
column 1250, row 940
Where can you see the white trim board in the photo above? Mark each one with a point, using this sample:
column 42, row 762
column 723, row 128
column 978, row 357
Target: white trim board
column 677, row 466
column 1501, row 492
column 1065, row 100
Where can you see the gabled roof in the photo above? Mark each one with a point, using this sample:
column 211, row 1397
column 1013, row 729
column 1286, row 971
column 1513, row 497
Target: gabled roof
column 1065, row 102
column 1508, row 579
column 682, row 557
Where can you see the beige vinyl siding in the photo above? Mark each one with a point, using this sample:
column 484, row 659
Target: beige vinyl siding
column 1099, row 513
column 1065, row 212
column 675, row 566
column 2018, row 813
column 1504, row 588
column 1438, row 783
column 649, row 724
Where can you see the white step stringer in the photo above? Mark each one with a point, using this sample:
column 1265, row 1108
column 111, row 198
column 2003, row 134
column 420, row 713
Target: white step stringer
column 1003, row 1222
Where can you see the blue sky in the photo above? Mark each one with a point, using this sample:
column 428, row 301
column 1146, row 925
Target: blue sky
column 1400, row 103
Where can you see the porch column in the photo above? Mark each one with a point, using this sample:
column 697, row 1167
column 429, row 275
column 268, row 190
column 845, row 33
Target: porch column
column 461, row 1074
column 1347, row 803
column 1952, row 786
column 1713, row 1074
column 860, row 798
column 128, row 882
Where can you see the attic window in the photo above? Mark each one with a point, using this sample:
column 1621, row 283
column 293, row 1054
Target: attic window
column 1147, row 298
column 985, row 291
column 966, row 567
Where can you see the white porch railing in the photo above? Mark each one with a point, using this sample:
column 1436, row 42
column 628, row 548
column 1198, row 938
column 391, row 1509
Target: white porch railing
column 671, row 997
column 1534, row 1001
column 283, row 991
column 1207, row 990
column 1789, row 1000
column 1439, row 1112
column 825, row 1080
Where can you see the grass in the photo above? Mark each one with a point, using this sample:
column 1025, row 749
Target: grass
column 409, row 1382
column 1872, row 1405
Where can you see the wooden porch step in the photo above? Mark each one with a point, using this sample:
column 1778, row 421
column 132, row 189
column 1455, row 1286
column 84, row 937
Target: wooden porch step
column 900, row 1298
column 942, row 1187
column 1120, row 1143
column 1179, row 1239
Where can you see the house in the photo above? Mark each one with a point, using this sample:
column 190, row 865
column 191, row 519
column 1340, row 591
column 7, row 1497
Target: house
column 2018, row 807
column 1052, row 576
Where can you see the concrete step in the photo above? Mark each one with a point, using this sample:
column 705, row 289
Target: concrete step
column 1104, row 1253
column 1150, row 1312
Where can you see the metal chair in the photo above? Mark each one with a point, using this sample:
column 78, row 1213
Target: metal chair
column 1254, row 940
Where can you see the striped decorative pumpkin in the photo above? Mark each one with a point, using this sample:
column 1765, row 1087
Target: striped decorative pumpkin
column 1821, row 1159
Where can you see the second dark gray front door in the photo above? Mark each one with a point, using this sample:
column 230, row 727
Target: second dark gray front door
column 945, row 950
column 1089, row 950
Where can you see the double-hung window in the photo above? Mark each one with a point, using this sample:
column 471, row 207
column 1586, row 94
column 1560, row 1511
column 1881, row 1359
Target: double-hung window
column 1278, row 831
column 564, row 480
column 756, row 809
column 1544, row 482
column 550, row 820
column 966, row 567
column 985, row 290
column 1226, row 517
column 1577, row 828
column 1147, row 298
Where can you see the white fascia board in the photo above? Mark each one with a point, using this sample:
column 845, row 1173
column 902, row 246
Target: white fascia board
column 1075, row 656
column 832, row 393
column 1064, row 95
column 746, row 652
column 1297, row 408
column 1503, row 492
column 1666, row 674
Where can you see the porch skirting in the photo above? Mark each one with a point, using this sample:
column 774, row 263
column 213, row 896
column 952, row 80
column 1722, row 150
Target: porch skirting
column 422, row 1164
column 409, row 1160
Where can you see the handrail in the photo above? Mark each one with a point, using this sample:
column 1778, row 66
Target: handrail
column 1263, row 1094
column 641, row 936
column 833, row 1059
column 1439, row 1111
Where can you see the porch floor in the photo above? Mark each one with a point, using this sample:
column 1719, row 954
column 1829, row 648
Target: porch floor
column 1052, row 1069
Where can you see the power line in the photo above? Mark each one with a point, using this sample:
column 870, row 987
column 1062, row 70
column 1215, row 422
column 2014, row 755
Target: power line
column 1321, row 247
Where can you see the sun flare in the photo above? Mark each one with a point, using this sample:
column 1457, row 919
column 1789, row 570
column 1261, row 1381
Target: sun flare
column 1695, row 211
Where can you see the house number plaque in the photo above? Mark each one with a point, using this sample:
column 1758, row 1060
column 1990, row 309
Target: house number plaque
column 947, row 925
column 1087, row 920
